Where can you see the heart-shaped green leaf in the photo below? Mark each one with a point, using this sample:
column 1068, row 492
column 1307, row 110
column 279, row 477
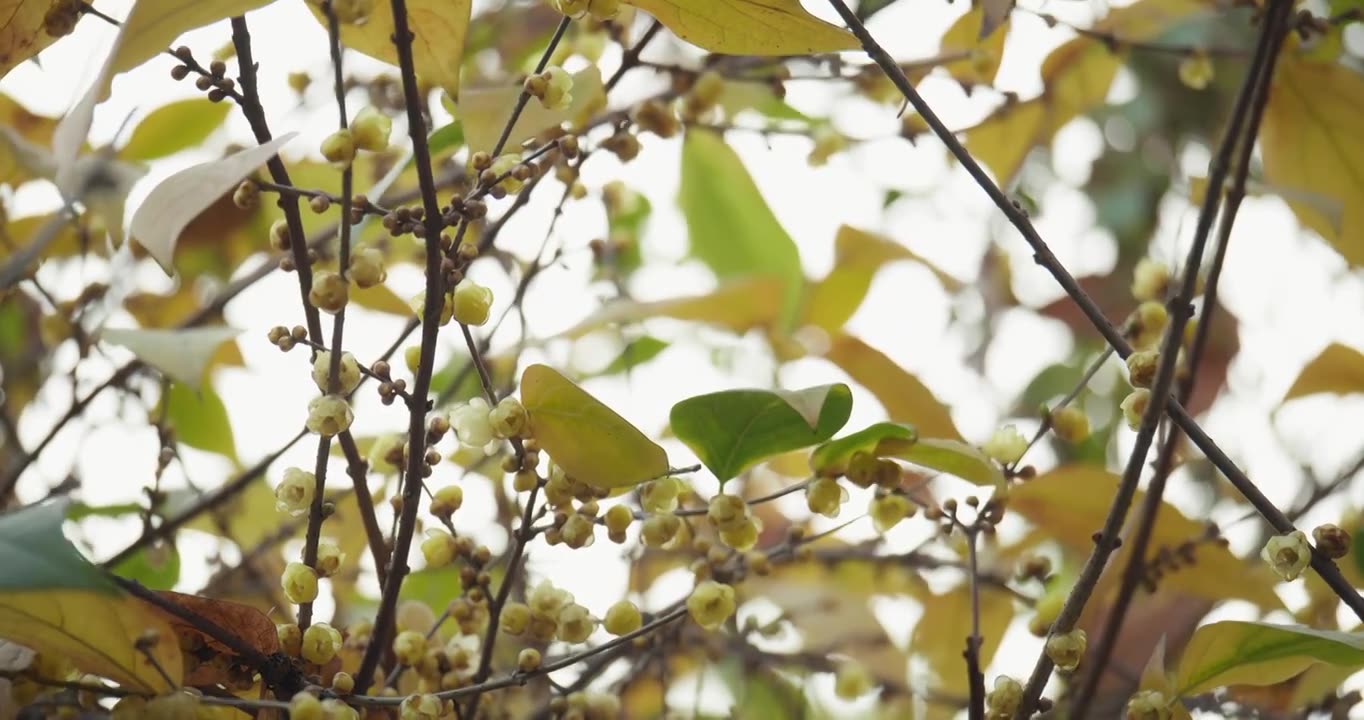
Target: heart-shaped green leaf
column 730, row 431
column 901, row 441
column 586, row 438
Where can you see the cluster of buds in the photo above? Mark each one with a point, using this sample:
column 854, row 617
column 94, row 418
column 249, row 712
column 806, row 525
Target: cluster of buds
column 547, row 614
column 389, row 388
column 656, row 116
column 404, row 220
column 553, row 88
column 215, row 83
column 285, row 339
column 561, row 489
column 735, row 521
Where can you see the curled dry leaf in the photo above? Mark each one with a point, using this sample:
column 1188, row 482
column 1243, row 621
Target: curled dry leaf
column 201, row 651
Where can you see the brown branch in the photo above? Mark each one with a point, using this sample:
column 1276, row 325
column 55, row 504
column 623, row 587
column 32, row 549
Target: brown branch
column 1043, row 256
column 1249, row 109
column 430, row 325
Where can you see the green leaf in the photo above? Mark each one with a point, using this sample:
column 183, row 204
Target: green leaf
column 953, row 457
column 35, row 554
column 585, row 437
column 446, row 137
column 748, row 27
column 904, row 397
column 858, row 256
column 832, row 457
column 200, row 419
column 1338, row 369
column 54, row 601
column 157, row 567
column 636, row 353
column 1236, row 652
column 730, row 226
column 174, row 127
column 434, row 587
column 80, row 511
column 732, row 430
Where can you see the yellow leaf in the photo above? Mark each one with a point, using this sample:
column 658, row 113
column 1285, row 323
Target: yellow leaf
column 34, row 128
column 740, row 305
column 748, row 27
column 1311, row 143
column 174, row 127
column 1076, row 77
column 940, row 635
column 21, row 34
column 585, row 437
column 485, row 111
column 1071, row 502
column 153, row 25
column 380, row 298
column 1338, row 369
column 1252, row 653
column 905, row 398
column 858, row 255
column 983, row 53
column 96, row 631
column 1003, row 140
column 55, row 602
column 439, row 26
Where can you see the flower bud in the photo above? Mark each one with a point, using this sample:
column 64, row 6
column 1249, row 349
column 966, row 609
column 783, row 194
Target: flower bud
column 470, row 423
column 371, row 129
column 1331, row 540
column 623, row 618
column 447, row 500
column 472, row 303
column 290, row 638
column 409, row 647
column 299, row 582
column 1150, row 280
column 1067, row 649
column 851, row 680
column 509, row 418
column 438, row 548
column 367, row 267
column 727, row 511
column 711, row 604
column 1070, row 424
column 339, row 149
column 888, row 510
column 1147, row 324
column 420, row 707
column 1148, row 705
column 1134, row 407
column 329, row 293
column 825, row 496
column 329, row 558
column 1006, row 445
column 1288, row 555
column 320, row 643
column 295, row 492
column 1141, row 368
column 575, row 624
column 515, row 618
column 329, row 415
column 1003, row 700
column 348, row 378
column 528, row 660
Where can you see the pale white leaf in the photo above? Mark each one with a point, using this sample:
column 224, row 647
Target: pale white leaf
column 181, row 354
column 178, row 199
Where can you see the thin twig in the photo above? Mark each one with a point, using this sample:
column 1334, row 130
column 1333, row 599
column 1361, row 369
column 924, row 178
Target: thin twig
column 1252, row 103
column 434, row 301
